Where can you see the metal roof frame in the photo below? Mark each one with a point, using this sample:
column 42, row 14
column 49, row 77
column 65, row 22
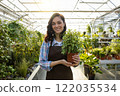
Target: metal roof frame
column 24, row 14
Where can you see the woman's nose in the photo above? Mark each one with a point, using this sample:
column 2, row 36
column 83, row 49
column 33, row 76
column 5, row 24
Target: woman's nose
column 56, row 25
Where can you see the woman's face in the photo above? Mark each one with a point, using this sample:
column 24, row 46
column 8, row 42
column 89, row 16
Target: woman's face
column 58, row 25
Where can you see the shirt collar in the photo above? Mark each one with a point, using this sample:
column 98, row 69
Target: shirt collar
column 54, row 42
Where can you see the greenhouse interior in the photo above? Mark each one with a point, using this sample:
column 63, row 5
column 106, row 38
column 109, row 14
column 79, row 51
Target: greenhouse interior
column 23, row 27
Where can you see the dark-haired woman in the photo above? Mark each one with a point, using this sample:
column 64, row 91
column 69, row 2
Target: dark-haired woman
column 51, row 58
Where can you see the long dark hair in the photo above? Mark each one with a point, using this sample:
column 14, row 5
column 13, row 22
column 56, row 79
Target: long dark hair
column 50, row 32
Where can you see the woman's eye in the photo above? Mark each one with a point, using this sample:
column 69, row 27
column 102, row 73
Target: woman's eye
column 56, row 23
column 53, row 23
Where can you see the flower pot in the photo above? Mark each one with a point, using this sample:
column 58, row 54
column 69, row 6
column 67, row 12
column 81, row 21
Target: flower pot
column 103, row 58
column 118, row 57
column 109, row 57
column 92, row 76
column 69, row 57
column 86, row 70
column 115, row 56
column 97, row 56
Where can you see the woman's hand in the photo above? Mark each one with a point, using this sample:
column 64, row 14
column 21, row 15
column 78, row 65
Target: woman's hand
column 64, row 62
column 76, row 59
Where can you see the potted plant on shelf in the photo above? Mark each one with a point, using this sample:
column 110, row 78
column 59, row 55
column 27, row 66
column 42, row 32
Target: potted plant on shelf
column 96, row 52
column 114, row 53
column 91, row 62
column 72, row 44
column 108, row 52
column 117, row 48
column 102, row 55
column 115, row 45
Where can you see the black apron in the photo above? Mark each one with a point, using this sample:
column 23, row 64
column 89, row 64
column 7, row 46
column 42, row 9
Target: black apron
column 58, row 72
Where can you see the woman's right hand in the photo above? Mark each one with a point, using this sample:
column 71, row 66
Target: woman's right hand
column 64, row 62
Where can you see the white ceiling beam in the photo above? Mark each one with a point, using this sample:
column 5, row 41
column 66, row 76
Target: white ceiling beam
column 94, row 2
column 65, row 18
column 31, row 2
column 66, row 11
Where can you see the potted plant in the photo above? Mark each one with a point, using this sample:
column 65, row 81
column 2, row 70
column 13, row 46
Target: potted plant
column 95, row 43
column 117, row 48
column 87, row 43
column 23, row 67
column 72, row 44
column 110, row 29
column 115, row 45
column 88, row 29
column 102, row 55
column 96, row 52
column 114, row 53
column 91, row 62
column 100, row 29
column 108, row 52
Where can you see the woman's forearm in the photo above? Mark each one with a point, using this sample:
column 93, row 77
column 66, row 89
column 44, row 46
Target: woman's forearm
column 54, row 63
column 62, row 61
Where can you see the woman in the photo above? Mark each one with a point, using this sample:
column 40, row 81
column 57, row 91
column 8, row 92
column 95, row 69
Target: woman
column 51, row 58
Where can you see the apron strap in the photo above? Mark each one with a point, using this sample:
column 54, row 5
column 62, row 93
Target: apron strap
column 51, row 43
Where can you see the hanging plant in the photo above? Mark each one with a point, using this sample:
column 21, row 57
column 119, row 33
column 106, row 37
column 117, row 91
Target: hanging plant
column 88, row 29
column 100, row 28
column 110, row 29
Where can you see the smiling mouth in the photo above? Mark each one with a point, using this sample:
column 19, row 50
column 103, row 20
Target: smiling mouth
column 57, row 29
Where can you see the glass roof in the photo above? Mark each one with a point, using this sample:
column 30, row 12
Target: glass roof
column 36, row 13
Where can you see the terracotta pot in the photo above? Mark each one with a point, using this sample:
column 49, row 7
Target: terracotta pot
column 105, row 56
column 97, row 56
column 69, row 57
column 115, row 56
column 102, row 58
column 109, row 57
column 118, row 57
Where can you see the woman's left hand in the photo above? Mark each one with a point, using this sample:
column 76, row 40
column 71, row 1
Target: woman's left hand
column 76, row 59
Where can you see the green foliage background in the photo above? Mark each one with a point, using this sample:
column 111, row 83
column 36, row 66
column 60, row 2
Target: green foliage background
column 18, row 46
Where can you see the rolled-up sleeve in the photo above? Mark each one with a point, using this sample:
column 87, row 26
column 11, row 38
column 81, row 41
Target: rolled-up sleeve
column 43, row 58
